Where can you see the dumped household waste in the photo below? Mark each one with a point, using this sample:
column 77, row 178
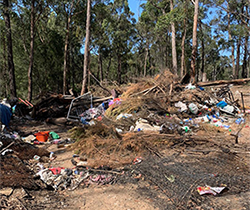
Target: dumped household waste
column 210, row 190
column 5, row 115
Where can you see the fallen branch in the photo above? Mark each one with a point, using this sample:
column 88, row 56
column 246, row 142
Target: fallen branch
column 22, row 203
column 7, row 147
column 221, row 82
column 98, row 82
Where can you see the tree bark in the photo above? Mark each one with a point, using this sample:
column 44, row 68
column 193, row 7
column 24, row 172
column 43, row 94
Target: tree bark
column 174, row 54
column 248, row 68
column 11, row 67
column 86, row 50
column 230, row 39
column 244, row 65
column 238, row 58
column 183, row 49
column 202, row 77
column 108, row 68
column 5, row 80
column 246, row 54
column 32, row 36
column 145, row 61
column 65, row 63
column 119, row 69
column 222, row 82
column 194, row 43
column 100, row 66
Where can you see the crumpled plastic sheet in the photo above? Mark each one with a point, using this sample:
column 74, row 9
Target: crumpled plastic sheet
column 101, row 179
column 92, row 113
column 65, row 179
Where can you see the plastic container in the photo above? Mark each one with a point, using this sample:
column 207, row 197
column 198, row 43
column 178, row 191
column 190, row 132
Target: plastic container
column 42, row 136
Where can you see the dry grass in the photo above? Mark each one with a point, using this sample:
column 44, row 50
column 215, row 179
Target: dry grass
column 102, row 145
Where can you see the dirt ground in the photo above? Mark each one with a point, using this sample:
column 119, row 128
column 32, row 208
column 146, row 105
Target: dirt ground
column 167, row 177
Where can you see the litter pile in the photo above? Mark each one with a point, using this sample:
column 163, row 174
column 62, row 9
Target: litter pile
column 122, row 131
column 162, row 106
column 24, row 164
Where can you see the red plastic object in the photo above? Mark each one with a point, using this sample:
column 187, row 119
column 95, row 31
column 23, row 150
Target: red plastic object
column 42, row 136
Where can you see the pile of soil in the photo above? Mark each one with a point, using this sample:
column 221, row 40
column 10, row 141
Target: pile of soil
column 14, row 170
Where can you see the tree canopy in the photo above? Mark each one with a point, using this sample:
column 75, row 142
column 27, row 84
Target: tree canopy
column 42, row 43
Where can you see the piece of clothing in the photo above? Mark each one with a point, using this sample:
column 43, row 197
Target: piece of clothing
column 5, row 115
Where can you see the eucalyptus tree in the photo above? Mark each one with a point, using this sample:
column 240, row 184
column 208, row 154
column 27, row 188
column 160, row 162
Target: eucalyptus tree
column 154, row 33
column 4, row 78
column 121, row 30
column 11, row 67
column 194, row 41
column 70, row 12
column 100, row 42
column 145, row 29
column 233, row 20
column 86, row 50
column 169, row 27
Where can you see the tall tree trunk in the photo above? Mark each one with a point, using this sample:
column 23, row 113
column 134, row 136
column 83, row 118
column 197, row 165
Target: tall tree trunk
column 145, row 61
column 230, row 39
column 238, row 58
column 248, row 67
column 246, row 54
column 100, row 68
column 119, row 69
column 5, row 79
column 183, row 49
column 244, row 65
column 108, row 68
column 32, row 36
column 174, row 54
column 194, row 43
column 202, row 76
column 86, row 50
column 248, row 63
column 214, row 73
column 11, row 66
column 65, row 63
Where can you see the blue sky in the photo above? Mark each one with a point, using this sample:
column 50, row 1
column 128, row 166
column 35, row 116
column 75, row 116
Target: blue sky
column 134, row 7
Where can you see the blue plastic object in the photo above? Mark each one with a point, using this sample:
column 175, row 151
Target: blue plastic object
column 221, row 104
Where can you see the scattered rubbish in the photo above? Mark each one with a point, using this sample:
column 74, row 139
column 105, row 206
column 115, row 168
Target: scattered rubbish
column 120, row 116
column 228, row 108
column 5, row 115
column 193, row 108
column 171, row 178
column 143, row 125
column 210, row 190
column 54, row 135
column 190, row 86
column 42, row 136
column 221, row 104
column 82, row 163
column 182, row 106
column 240, row 120
column 138, row 176
column 7, row 151
column 119, row 130
column 137, row 160
column 36, row 157
column 56, row 171
column 29, row 138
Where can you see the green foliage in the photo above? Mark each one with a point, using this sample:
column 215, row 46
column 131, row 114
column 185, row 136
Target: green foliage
column 116, row 34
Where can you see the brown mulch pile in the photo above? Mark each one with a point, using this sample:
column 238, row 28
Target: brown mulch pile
column 14, row 171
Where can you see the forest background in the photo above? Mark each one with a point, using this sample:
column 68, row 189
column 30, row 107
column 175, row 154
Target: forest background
column 48, row 45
